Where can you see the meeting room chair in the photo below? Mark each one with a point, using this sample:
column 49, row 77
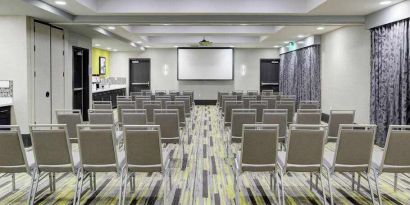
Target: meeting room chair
column 271, row 101
column 228, row 106
column 102, row 105
column 123, row 98
column 336, row 118
column 287, row 97
column 146, row 92
column 220, row 94
column 226, row 98
column 267, row 92
column 52, row 154
column 309, row 105
column 160, row 92
column 173, row 93
column 394, row 158
column 309, row 117
column 163, row 99
column 305, row 147
column 259, row 106
column 290, row 106
column 180, row 106
column 238, row 93
column 134, row 94
column 99, row 152
column 143, row 154
column 239, row 118
column 134, row 117
column 124, row 105
column 186, row 99
column 140, row 99
column 71, row 118
column 353, row 153
column 168, row 120
column 189, row 93
column 252, row 92
column 279, row 117
column 258, row 154
column 150, row 106
column 246, row 99
column 14, row 159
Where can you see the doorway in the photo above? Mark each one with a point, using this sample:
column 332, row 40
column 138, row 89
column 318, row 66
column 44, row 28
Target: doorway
column 139, row 74
column 269, row 74
column 81, row 93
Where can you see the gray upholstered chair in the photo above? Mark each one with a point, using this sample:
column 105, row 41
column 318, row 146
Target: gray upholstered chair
column 189, row 93
column 140, row 99
column 252, row 92
column 305, row 147
column 353, row 154
column 279, row 117
column 246, row 99
column 258, row 154
column 290, row 106
column 271, row 101
column 124, row 98
column 309, row 105
column 180, row 106
column 187, row 101
column 267, row 92
column 99, row 152
column 287, row 97
column 308, row 116
column 71, row 118
column 52, row 153
column 228, row 106
column 226, row 98
column 143, row 154
column 238, row 94
column 134, row 94
column 239, row 118
column 134, row 117
column 13, row 156
column 395, row 157
column 336, row 118
column 219, row 100
column 147, row 92
column 259, row 106
column 173, row 93
column 102, row 105
column 101, row 116
column 124, row 105
column 168, row 120
column 150, row 106
column 163, row 99
column 160, row 92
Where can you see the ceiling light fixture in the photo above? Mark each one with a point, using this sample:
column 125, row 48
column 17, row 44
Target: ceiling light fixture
column 97, row 45
column 108, row 48
column 301, row 36
column 165, row 24
column 133, row 44
column 111, row 27
column 243, row 24
column 301, row 42
column 60, row 3
column 276, row 46
column 139, row 42
column 385, row 2
column 147, row 46
column 286, row 42
column 320, row 28
column 175, row 46
column 115, row 50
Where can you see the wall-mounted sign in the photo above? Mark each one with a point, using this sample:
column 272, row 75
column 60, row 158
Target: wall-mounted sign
column 103, row 65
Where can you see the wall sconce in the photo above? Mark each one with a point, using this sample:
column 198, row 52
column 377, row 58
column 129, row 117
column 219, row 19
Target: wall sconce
column 166, row 69
column 243, row 69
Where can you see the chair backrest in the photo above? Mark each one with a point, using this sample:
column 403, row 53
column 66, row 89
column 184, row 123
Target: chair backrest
column 290, row 106
column 309, row 116
column 267, row 92
column 150, row 106
column 220, row 94
column 124, row 105
column 140, row 99
column 163, row 99
column 309, row 105
column 305, row 147
column 133, row 94
column 143, row 148
column 180, row 106
column 134, row 117
column 186, row 99
column 259, row 106
column 247, row 99
column 51, row 148
column 102, row 105
column 71, row 118
column 101, row 116
column 287, row 97
column 98, row 148
column 338, row 117
column 12, row 154
column 146, row 92
column 396, row 156
column 238, row 93
column 252, row 92
column 124, row 98
column 227, row 98
column 168, row 120
column 228, row 106
column 277, row 116
column 189, row 93
column 160, row 92
column 173, row 93
column 271, row 101
column 239, row 118
column 259, row 147
column 354, row 148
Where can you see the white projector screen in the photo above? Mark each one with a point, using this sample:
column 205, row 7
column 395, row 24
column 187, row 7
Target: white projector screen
column 205, row 64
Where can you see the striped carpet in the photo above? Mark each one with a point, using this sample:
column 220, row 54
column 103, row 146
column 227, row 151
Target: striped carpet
column 202, row 176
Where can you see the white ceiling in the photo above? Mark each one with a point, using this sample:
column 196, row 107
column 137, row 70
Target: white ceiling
column 164, row 23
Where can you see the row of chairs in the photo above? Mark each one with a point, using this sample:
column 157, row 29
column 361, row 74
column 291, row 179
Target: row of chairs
column 305, row 153
column 98, row 151
column 249, row 93
column 148, row 93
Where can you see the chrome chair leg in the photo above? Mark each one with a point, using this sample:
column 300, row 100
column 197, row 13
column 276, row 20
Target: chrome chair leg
column 370, row 188
column 396, row 176
column 283, row 187
column 329, row 180
column 13, row 182
column 278, row 188
column 376, row 180
column 323, row 187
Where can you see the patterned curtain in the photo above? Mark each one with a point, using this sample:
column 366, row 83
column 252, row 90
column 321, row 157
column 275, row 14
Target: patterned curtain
column 390, row 56
column 300, row 73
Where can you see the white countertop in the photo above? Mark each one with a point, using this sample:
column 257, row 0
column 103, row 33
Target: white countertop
column 108, row 88
column 6, row 101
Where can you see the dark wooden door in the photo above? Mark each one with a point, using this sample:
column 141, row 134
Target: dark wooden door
column 269, row 74
column 81, row 99
column 140, row 75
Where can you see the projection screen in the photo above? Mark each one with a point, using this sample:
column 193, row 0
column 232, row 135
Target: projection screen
column 205, row 64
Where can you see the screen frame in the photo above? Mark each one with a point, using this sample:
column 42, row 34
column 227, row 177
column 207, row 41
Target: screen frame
column 233, row 64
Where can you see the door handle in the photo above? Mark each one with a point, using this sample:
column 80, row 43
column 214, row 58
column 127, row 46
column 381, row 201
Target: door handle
column 269, row 84
column 47, row 94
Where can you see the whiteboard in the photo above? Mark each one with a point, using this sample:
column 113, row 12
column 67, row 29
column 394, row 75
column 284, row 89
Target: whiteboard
column 205, row 64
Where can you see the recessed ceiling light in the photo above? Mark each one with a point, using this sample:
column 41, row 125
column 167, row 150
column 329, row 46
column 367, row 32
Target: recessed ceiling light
column 115, row 50
column 108, row 48
column 139, row 42
column 385, row 2
column 175, row 46
column 301, row 42
column 243, row 24
column 286, row 42
column 133, row 44
column 111, row 27
column 165, row 24
column 97, row 44
column 60, row 2
column 231, row 46
column 320, row 28
column 276, row 46
column 301, row 36
column 147, row 46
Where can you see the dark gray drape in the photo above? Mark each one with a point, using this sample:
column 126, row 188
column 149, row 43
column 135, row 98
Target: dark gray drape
column 389, row 98
column 300, row 73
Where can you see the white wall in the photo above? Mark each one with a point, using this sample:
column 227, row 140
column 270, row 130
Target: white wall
column 204, row 90
column 345, row 64
column 390, row 14
column 15, row 63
